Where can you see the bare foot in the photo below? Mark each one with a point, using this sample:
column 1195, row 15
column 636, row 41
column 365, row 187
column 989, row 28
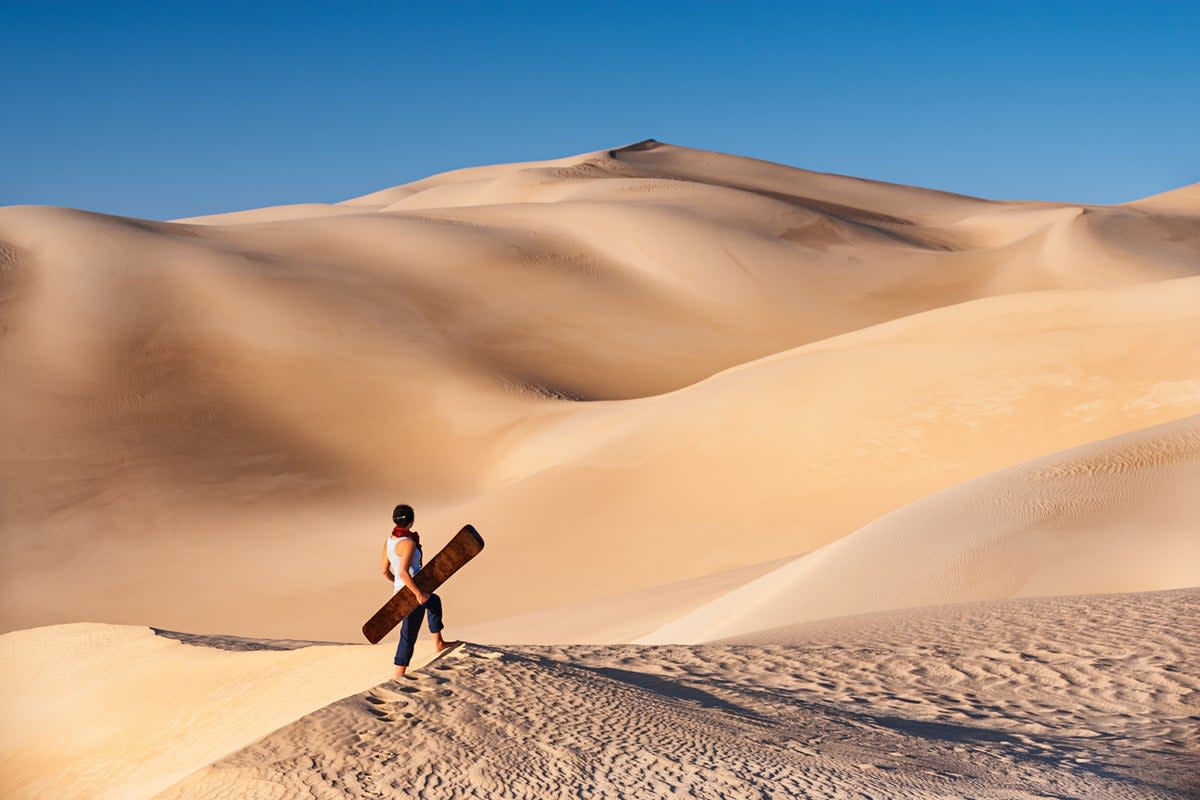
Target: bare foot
column 400, row 672
column 442, row 644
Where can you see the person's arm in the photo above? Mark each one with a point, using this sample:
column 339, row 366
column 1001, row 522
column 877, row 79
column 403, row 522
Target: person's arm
column 404, row 551
column 387, row 565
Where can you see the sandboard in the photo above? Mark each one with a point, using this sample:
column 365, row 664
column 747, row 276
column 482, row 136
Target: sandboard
column 465, row 545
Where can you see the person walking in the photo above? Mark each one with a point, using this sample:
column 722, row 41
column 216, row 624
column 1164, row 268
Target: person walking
column 401, row 563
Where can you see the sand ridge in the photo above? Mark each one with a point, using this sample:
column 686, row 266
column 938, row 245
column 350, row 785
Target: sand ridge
column 108, row 711
column 1080, row 696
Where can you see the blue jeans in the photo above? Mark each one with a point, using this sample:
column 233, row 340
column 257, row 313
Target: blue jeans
column 411, row 626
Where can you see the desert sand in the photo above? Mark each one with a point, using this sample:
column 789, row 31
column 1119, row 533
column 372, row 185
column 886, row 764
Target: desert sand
column 702, row 408
column 1084, row 696
column 1121, row 514
column 109, row 711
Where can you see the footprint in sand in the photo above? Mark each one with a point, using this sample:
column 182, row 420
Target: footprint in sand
column 387, row 705
column 389, row 714
column 411, row 684
column 382, row 696
column 462, row 658
column 384, row 715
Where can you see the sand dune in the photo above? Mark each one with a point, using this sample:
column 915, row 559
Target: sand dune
column 1184, row 200
column 271, row 214
column 104, row 711
column 272, row 384
column 1073, row 697
column 686, row 396
column 838, row 433
column 1117, row 515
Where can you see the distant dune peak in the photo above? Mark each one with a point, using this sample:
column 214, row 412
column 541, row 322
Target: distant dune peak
column 644, row 144
column 1184, row 200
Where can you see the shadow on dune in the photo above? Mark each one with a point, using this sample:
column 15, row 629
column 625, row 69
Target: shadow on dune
column 1058, row 752
column 243, row 643
column 673, row 689
column 655, row 684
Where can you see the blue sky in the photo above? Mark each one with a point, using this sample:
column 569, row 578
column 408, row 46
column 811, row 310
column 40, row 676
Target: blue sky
column 166, row 109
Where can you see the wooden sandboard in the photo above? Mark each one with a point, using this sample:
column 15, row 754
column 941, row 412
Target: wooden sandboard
column 465, row 545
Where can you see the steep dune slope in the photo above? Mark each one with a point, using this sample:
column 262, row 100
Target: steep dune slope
column 1116, row 515
column 105, row 711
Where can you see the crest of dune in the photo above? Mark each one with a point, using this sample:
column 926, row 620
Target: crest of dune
column 1184, row 201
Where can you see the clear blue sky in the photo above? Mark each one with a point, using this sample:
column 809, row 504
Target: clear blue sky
column 163, row 109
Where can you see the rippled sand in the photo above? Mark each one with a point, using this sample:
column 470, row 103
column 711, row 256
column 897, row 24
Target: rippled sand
column 1069, row 697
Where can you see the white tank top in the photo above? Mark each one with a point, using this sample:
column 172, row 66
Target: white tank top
column 394, row 560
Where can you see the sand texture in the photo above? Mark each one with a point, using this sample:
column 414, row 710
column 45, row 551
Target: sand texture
column 1072, row 697
column 108, row 711
column 793, row 485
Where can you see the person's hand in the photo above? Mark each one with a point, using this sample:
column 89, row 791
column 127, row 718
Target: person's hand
column 422, row 598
